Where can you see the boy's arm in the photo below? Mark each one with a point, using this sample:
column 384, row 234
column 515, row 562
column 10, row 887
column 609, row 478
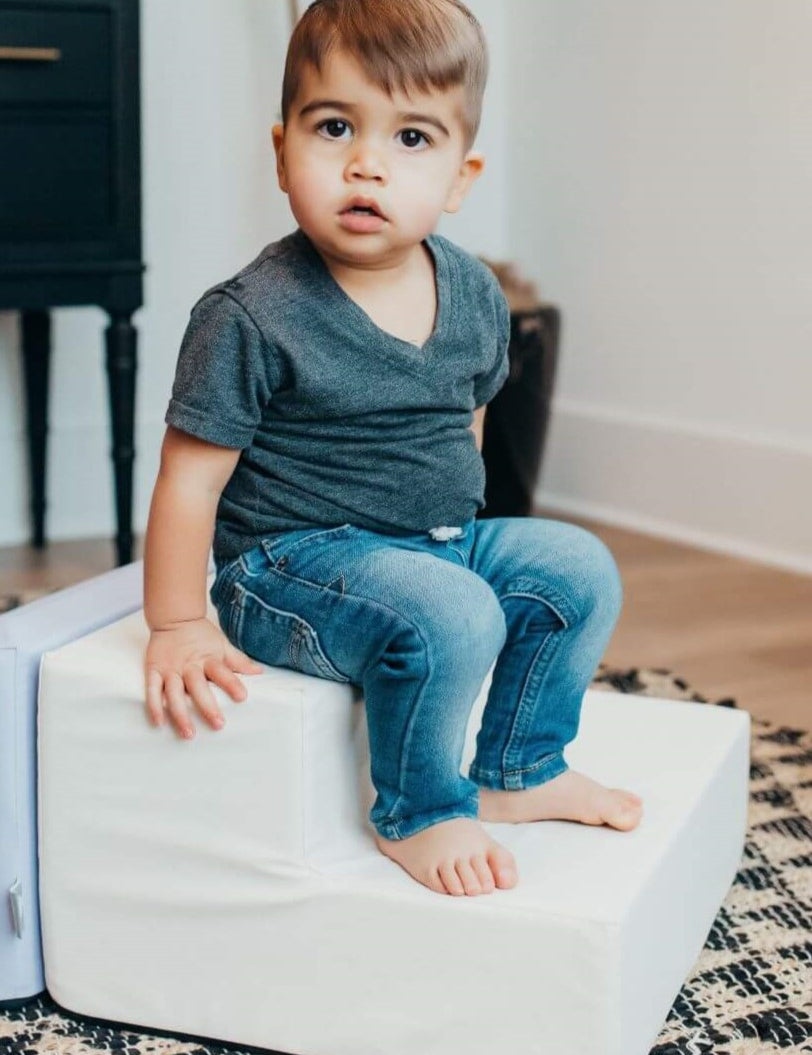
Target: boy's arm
column 185, row 649
column 181, row 526
column 478, row 425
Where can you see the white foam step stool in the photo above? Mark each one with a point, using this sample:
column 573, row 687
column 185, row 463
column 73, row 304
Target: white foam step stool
column 229, row 886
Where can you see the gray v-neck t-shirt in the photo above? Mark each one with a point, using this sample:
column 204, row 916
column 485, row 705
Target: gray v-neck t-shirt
column 337, row 420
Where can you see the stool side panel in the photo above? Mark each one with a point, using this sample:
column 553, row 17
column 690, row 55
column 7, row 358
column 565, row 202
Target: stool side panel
column 673, row 913
column 132, row 798
column 338, row 791
column 327, row 968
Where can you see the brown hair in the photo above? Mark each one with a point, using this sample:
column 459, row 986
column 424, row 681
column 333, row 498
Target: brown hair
column 399, row 44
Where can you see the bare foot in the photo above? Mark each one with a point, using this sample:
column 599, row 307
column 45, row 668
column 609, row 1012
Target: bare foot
column 453, row 857
column 570, row 796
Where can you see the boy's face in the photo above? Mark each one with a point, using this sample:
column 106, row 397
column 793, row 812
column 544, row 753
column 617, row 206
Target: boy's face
column 346, row 138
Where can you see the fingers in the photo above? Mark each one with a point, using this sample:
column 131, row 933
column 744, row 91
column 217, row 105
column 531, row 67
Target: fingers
column 198, row 688
column 242, row 663
column 155, row 705
column 221, row 674
column 166, row 691
column 175, row 695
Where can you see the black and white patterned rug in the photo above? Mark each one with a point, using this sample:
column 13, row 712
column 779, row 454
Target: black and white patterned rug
column 749, row 992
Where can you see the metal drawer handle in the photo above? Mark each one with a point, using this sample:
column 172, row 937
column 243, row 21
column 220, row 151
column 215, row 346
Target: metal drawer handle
column 14, row 54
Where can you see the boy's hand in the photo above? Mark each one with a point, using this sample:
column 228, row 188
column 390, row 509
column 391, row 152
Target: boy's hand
column 184, row 658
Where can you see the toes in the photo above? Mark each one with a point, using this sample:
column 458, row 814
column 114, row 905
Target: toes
column 633, row 805
column 625, row 814
column 468, row 877
column 503, row 867
column 435, row 883
column 451, row 880
column 484, row 874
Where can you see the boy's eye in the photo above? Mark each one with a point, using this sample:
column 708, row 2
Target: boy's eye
column 411, row 137
column 333, row 128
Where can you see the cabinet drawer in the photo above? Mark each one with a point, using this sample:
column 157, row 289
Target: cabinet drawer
column 56, row 181
column 79, row 72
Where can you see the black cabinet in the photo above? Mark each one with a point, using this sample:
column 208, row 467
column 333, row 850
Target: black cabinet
column 70, row 204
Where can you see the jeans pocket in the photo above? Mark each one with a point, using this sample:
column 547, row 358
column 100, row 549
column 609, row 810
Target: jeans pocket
column 309, row 555
column 277, row 637
column 222, row 594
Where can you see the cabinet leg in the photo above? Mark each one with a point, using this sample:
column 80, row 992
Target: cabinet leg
column 36, row 353
column 120, row 342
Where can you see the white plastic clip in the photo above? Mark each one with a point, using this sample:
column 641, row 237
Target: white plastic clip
column 15, row 893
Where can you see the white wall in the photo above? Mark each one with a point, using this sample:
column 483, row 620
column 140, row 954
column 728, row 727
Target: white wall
column 211, row 85
column 660, row 165
column 481, row 225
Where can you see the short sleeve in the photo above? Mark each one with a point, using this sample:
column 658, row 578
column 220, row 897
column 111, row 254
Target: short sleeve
column 225, row 374
column 487, row 384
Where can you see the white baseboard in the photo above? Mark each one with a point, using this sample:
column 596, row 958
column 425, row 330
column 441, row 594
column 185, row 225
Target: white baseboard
column 748, row 497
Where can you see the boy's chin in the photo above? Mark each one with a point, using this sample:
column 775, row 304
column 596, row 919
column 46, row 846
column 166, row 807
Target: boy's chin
column 360, row 244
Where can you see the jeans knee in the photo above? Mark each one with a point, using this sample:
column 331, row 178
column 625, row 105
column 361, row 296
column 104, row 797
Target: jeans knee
column 468, row 628
column 604, row 586
column 489, row 625
column 587, row 578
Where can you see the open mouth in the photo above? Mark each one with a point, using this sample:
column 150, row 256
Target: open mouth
column 364, row 209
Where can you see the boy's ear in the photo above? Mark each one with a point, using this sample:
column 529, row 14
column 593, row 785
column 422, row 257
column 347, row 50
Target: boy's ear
column 278, row 137
column 471, row 168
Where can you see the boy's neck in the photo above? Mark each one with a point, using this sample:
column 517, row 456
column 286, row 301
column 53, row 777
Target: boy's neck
column 368, row 275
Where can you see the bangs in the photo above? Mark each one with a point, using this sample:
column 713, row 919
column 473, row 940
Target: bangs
column 399, row 44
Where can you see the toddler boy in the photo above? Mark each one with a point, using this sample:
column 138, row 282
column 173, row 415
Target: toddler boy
column 325, row 429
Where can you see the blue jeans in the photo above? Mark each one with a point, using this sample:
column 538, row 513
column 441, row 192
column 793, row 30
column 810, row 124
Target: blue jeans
column 417, row 622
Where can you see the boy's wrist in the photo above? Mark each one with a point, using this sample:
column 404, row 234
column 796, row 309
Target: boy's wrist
column 158, row 626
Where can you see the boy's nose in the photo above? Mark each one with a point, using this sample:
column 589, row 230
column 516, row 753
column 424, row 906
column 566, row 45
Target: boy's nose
column 366, row 163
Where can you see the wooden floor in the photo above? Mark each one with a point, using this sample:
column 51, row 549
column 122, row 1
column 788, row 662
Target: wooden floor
column 730, row 627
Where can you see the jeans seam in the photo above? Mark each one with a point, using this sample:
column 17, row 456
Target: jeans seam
column 299, row 632
column 543, row 761
column 224, row 580
column 396, row 827
column 520, row 722
column 521, row 770
column 294, row 640
column 269, row 548
column 312, row 644
column 235, row 615
column 544, row 600
column 405, row 746
column 519, row 729
column 350, row 596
